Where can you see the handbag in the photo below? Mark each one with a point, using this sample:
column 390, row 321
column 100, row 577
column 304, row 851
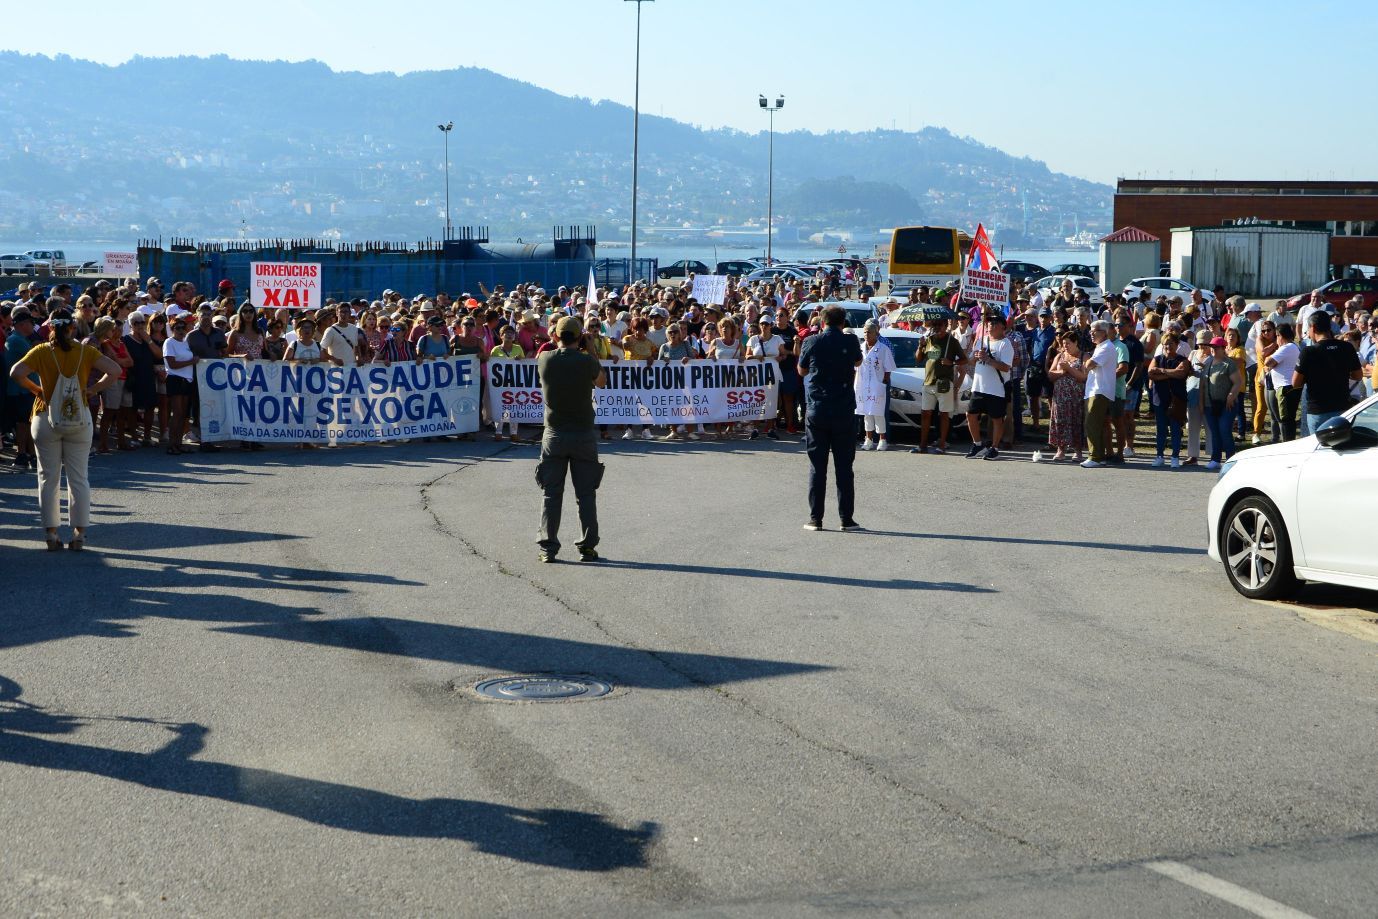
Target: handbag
column 1177, row 408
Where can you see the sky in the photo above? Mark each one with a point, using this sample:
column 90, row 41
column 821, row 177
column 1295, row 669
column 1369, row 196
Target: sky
column 1211, row 88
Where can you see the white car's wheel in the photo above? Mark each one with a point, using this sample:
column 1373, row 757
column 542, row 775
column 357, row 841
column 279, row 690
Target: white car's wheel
column 1256, row 551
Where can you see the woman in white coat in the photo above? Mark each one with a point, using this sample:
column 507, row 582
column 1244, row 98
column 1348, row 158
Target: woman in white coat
column 872, row 382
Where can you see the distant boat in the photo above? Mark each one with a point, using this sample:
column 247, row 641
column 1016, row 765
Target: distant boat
column 1083, row 240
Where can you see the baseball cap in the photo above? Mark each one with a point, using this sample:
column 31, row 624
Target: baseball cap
column 226, row 284
column 1218, row 342
column 205, row 308
column 1045, row 312
column 436, row 321
column 1203, row 337
column 1252, row 308
column 569, row 325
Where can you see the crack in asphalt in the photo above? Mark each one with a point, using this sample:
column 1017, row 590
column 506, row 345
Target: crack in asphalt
column 858, row 760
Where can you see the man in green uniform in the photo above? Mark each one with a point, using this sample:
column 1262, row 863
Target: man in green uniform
column 568, row 376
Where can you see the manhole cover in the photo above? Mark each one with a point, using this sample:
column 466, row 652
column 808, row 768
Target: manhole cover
column 542, row 688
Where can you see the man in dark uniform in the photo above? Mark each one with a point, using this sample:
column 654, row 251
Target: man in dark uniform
column 828, row 363
column 568, row 377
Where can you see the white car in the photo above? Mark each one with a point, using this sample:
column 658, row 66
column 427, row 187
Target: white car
column 857, row 312
column 1164, row 287
column 1300, row 510
column 1052, row 282
column 906, row 383
column 777, row 273
column 17, row 264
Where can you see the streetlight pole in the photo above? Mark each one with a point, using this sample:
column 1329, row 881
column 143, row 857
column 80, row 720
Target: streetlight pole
column 636, row 124
column 770, row 175
column 445, row 129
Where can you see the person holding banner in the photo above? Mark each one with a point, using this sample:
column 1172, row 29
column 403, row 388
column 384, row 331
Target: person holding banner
column 828, row 362
column 570, row 441
column 992, row 358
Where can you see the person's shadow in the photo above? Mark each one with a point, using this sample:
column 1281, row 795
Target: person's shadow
column 570, row 839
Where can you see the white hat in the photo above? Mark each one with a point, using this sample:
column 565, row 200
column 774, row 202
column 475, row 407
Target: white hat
column 174, row 311
column 149, row 309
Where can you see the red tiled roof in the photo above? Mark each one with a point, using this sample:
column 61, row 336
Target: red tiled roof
column 1130, row 235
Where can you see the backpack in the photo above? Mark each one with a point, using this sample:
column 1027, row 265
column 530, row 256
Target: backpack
column 66, row 409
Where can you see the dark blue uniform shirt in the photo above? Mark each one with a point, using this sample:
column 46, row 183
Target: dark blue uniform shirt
column 828, row 361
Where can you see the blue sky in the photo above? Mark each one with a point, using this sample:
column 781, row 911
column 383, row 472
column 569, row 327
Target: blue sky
column 1221, row 88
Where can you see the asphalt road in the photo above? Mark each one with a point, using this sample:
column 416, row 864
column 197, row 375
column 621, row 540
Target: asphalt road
column 1024, row 690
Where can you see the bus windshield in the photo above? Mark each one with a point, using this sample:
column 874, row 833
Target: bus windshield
column 926, row 256
column 923, row 246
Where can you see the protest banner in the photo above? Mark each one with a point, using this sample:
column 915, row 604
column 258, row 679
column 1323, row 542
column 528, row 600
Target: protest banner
column 710, row 288
column 659, row 393
column 982, row 279
column 290, row 285
column 120, row 264
column 289, row 403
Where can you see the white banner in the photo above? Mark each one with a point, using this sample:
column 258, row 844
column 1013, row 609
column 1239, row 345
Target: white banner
column 985, row 286
column 710, row 288
column 660, row 393
column 121, row 264
column 289, row 403
column 293, row 285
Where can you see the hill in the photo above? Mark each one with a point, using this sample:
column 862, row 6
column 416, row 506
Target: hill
column 210, row 146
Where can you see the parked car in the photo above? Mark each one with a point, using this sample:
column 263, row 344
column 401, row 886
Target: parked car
column 776, row 273
column 857, row 312
column 1086, row 271
column 906, row 383
column 1164, row 287
column 1052, row 282
column 1024, row 271
column 739, row 268
column 1300, row 510
column 678, row 271
column 53, row 260
column 1340, row 292
column 17, row 264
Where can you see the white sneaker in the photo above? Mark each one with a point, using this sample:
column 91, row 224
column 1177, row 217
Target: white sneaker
column 868, row 444
column 883, row 445
column 1128, row 451
column 693, row 436
column 1091, row 464
column 1257, row 440
column 1176, row 463
column 673, row 435
column 646, row 434
column 627, row 435
column 1159, row 463
column 1213, row 466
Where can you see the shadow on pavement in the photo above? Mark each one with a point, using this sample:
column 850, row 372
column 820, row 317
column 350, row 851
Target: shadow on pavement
column 807, row 577
column 514, row 652
column 1025, row 541
column 100, row 599
column 568, row 839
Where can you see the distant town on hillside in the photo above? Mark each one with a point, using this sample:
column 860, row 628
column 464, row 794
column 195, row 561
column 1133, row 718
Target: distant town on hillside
column 221, row 148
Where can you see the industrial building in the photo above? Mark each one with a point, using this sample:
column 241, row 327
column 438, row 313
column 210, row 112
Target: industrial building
column 1347, row 210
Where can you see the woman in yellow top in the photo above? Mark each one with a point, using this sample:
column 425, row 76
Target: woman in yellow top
column 61, row 421
column 1234, row 350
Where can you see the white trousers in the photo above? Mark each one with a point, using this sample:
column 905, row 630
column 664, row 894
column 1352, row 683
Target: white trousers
column 62, row 452
column 876, row 423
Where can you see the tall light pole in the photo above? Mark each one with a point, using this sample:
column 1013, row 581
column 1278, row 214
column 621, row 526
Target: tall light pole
column 636, row 122
column 446, row 129
column 770, row 174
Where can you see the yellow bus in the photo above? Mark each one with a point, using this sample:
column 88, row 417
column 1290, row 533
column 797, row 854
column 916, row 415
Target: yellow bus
column 926, row 257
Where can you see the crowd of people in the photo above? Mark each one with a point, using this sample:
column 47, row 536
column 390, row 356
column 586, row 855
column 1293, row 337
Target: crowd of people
column 1217, row 367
